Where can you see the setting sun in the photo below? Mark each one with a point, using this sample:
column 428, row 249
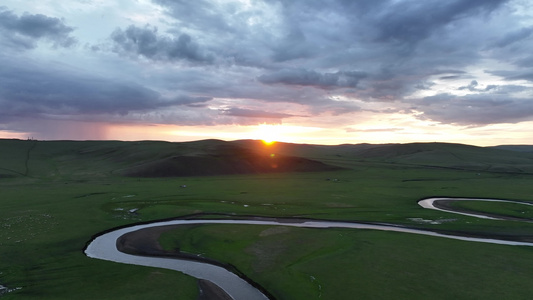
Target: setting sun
column 269, row 134
column 267, row 142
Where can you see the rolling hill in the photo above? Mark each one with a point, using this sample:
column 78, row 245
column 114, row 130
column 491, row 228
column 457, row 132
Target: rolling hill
column 57, row 159
column 64, row 159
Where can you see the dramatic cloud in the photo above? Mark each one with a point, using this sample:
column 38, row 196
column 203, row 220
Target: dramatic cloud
column 146, row 42
column 413, row 21
column 475, row 110
column 515, row 75
column 28, row 90
column 312, row 78
column 26, row 30
column 252, row 113
column 325, row 64
column 514, row 36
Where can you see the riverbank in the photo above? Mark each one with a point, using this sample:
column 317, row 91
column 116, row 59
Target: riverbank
column 145, row 242
column 139, row 244
column 447, row 206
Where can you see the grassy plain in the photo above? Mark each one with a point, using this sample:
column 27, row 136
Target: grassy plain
column 502, row 209
column 56, row 195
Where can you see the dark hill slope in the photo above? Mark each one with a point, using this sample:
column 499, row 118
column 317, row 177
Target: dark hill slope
column 446, row 155
column 201, row 158
column 202, row 165
column 76, row 159
column 457, row 156
column 518, row 148
column 304, row 150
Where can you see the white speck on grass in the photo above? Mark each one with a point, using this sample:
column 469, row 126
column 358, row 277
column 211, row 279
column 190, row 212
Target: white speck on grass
column 313, row 279
column 4, row 290
column 433, row 222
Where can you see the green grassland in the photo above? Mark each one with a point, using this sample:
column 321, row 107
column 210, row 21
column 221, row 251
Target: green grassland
column 502, row 209
column 294, row 263
column 55, row 196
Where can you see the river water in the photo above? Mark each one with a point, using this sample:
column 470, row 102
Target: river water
column 104, row 247
column 429, row 204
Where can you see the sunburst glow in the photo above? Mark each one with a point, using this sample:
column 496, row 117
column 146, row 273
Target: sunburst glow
column 269, row 134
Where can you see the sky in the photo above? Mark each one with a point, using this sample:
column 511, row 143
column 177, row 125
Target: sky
column 304, row 71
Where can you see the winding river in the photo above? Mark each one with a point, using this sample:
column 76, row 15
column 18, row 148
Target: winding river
column 104, row 246
column 429, row 203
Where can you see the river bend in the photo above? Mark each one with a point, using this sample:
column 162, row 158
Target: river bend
column 104, row 247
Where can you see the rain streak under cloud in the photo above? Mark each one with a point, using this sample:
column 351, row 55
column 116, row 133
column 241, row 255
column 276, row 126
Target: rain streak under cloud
column 327, row 71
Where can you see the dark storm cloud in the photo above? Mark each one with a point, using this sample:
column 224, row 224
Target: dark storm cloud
column 412, row 21
column 525, row 62
column 147, row 42
column 190, row 100
column 260, row 36
column 397, row 43
column 303, row 77
column 25, row 30
column 323, row 57
column 495, row 89
column 449, row 74
column 341, row 35
column 524, row 75
column 514, row 75
column 452, row 72
column 449, row 77
column 34, row 90
column 400, row 46
column 252, row 113
column 424, row 86
column 475, row 109
column 293, row 46
column 514, row 36
column 388, row 21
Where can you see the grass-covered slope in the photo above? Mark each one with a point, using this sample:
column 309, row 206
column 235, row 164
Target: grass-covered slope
column 442, row 155
column 56, row 195
column 518, row 148
column 225, row 159
column 451, row 155
column 58, row 159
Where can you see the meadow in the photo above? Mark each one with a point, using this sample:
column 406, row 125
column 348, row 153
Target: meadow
column 55, row 196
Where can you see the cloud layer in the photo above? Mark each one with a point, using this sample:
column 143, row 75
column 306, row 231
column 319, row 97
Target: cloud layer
column 146, row 42
column 458, row 62
column 24, row 31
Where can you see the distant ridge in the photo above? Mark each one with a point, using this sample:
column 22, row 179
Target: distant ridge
column 456, row 156
column 518, row 148
column 435, row 154
column 77, row 159
column 225, row 159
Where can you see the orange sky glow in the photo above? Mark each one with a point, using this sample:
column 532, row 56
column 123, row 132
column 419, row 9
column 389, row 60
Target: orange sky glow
column 376, row 133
